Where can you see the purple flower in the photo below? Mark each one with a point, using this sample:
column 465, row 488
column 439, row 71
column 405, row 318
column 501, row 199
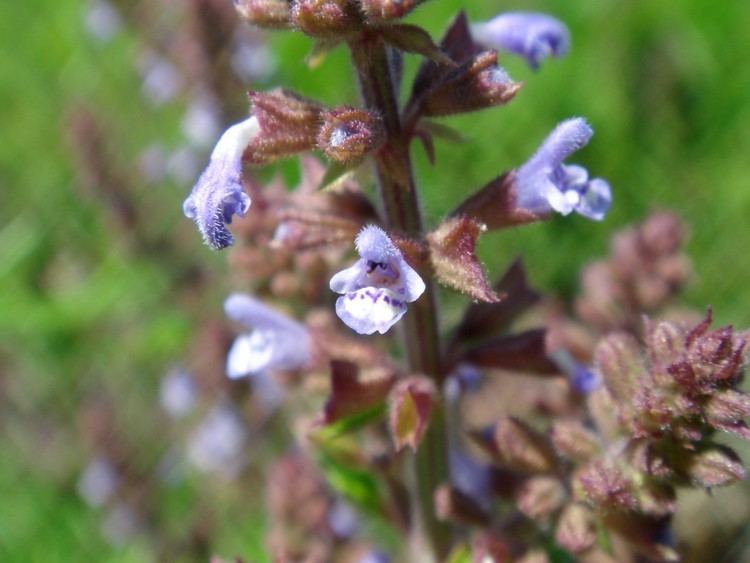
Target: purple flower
column 376, row 289
column 216, row 444
column 218, row 194
column 531, row 35
column 581, row 378
column 276, row 342
column 544, row 183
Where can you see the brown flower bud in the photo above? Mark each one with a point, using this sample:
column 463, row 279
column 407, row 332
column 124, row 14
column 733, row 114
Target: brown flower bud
column 574, row 441
column 605, row 486
column 665, row 343
column 715, row 467
column 477, row 84
column 384, row 10
column 726, row 410
column 717, row 355
column 576, row 530
column 326, row 19
column 288, row 122
column 618, row 357
column 271, row 14
column 540, row 496
column 519, row 447
column 349, row 134
column 657, row 499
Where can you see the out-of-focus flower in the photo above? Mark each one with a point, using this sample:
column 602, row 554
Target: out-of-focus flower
column 120, row 524
column 218, row 194
column 201, row 123
column 534, row 36
column 276, row 342
column 376, row 289
column 544, row 183
column 97, row 482
column 161, row 79
column 102, row 20
column 581, row 378
column 177, row 394
column 215, row 446
column 343, row 519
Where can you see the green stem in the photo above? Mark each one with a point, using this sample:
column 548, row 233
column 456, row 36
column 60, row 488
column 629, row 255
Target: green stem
column 398, row 193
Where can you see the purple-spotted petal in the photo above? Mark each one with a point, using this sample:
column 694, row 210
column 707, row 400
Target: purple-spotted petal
column 369, row 310
column 218, row 194
column 534, row 36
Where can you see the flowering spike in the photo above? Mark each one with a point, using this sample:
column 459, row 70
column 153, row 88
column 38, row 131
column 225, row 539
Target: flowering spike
column 276, row 342
column 376, row 289
column 534, row 36
column 544, row 183
column 218, row 194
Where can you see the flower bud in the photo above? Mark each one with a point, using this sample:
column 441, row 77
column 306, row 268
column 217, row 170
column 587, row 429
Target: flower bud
column 618, row 357
column 478, row 84
column 384, row 10
column 540, row 497
column 657, row 499
column 265, row 13
column 574, row 441
column 349, row 134
column 605, row 486
column 715, row 467
column 726, row 410
column 289, row 124
column 326, row 19
column 519, row 447
column 665, row 343
column 716, row 355
column 576, row 530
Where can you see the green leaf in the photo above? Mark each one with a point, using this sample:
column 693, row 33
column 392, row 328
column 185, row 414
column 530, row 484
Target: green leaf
column 413, row 39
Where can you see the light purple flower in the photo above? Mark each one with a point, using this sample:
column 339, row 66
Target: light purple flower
column 582, row 379
column 98, row 482
column 532, row 35
column 275, row 343
column 216, row 444
column 178, row 393
column 545, row 184
column 376, row 289
column 218, row 194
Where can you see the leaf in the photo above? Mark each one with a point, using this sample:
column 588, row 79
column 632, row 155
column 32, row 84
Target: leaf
column 524, row 352
column 414, row 39
column 337, row 176
column 410, row 407
column 490, row 318
column 352, row 394
column 357, row 485
column 454, row 260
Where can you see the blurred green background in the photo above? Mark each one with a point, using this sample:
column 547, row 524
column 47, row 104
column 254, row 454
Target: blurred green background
column 96, row 295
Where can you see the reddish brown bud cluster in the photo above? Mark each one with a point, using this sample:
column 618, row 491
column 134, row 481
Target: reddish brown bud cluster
column 326, row 19
column 385, row 10
column 645, row 270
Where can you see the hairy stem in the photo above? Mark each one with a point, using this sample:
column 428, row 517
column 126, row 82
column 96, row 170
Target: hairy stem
column 398, row 193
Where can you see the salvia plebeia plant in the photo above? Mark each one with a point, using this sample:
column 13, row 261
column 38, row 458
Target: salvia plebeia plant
column 606, row 412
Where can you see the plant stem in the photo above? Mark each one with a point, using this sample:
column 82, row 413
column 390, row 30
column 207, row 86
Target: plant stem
column 398, row 193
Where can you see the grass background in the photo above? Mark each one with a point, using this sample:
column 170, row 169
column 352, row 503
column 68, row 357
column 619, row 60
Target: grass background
column 665, row 85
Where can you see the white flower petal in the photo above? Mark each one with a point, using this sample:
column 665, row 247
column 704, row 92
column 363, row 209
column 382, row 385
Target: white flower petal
column 370, row 310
